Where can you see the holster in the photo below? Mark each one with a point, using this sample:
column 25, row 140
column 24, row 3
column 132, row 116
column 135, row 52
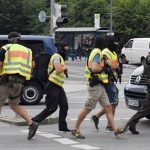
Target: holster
column 17, row 79
column 4, row 79
column 94, row 81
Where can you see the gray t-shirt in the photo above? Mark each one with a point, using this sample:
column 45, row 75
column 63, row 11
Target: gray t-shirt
column 96, row 58
column 57, row 60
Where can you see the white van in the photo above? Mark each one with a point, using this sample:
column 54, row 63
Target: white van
column 136, row 50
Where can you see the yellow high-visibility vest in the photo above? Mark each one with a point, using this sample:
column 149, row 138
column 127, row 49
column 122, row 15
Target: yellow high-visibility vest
column 18, row 60
column 112, row 56
column 102, row 76
column 55, row 77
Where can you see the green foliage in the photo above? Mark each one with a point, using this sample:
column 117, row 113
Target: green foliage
column 21, row 16
column 130, row 17
column 12, row 16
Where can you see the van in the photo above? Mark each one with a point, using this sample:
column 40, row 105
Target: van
column 136, row 50
column 42, row 48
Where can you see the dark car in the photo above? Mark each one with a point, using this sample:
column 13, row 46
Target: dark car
column 42, row 48
column 135, row 91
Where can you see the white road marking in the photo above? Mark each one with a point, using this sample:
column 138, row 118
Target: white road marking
column 49, row 135
column 75, row 119
column 86, row 147
column 26, row 131
column 66, row 141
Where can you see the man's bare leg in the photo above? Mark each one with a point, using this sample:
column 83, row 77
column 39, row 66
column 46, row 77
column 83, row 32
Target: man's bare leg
column 84, row 112
column 21, row 112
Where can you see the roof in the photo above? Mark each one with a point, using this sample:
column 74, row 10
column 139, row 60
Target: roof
column 146, row 39
column 27, row 37
column 82, row 29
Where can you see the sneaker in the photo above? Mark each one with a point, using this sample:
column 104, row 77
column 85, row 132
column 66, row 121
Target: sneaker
column 77, row 134
column 95, row 120
column 32, row 130
column 64, row 131
column 120, row 132
column 109, row 129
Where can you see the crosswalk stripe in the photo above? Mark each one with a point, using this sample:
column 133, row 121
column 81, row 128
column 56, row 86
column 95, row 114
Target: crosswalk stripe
column 65, row 141
column 105, row 119
column 49, row 135
column 86, row 147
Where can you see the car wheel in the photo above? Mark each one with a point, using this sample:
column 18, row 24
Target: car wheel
column 124, row 60
column 32, row 94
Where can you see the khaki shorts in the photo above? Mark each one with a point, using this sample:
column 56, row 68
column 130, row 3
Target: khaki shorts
column 10, row 92
column 96, row 94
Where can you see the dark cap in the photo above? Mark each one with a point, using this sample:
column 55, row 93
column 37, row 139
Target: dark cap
column 14, row 36
column 112, row 43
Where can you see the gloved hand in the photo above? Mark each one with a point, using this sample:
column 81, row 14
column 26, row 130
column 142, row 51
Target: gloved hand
column 107, row 69
column 66, row 72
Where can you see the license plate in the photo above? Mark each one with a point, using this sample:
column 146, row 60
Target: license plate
column 133, row 103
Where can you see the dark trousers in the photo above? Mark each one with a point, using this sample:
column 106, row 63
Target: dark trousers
column 55, row 96
column 142, row 112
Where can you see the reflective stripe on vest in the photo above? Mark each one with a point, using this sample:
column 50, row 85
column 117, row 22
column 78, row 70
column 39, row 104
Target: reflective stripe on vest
column 18, row 59
column 55, row 77
column 112, row 56
column 102, row 76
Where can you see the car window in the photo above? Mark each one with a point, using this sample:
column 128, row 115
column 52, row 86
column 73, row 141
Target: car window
column 129, row 44
column 35, row 45
column 3, row 42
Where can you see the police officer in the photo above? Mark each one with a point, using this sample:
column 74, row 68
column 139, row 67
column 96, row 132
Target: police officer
column 96, row 91
column 111, row 58
column 16, row 65
column 62, row 49
column 145, row 110
column 55, row 94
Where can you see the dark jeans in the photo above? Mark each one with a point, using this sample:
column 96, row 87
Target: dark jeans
column 55, row 96
column 142, row 112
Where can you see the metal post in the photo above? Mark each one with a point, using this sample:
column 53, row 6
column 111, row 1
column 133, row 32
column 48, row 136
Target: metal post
column 110, row 16
column 52, row 9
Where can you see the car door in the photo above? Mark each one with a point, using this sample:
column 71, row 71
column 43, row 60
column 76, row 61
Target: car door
column 127, row 50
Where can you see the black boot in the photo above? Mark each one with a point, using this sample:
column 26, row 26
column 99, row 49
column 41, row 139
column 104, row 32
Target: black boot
column 133, row 130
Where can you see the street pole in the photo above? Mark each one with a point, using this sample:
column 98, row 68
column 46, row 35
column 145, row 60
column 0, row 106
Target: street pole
column 52, row 9
column 110, row 16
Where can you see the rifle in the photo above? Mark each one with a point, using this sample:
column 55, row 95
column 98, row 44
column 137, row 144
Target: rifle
column 95, row 80
column 109, row 71
column 120, row 69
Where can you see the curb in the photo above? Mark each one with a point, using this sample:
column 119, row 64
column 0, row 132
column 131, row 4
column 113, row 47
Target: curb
column 20, row 122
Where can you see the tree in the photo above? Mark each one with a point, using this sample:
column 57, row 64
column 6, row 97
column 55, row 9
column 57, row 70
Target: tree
column 12, row 17
column 132, row 18
column 22, row 16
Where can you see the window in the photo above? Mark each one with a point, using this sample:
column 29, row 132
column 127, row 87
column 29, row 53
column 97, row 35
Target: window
column 35, row 45
column 129, row 44
column 3, row 42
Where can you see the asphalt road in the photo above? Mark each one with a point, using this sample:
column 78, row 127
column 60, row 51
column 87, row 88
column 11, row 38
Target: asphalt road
column 15, row 137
